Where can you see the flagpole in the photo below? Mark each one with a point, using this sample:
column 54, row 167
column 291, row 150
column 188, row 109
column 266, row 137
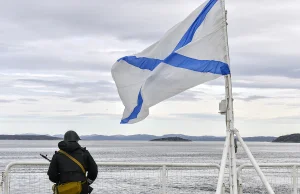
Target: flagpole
column 230, row 129
column 230, row 115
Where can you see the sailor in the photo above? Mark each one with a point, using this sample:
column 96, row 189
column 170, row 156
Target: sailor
column 62, row 169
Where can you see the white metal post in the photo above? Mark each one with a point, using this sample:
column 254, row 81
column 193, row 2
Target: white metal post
column 6, row 181
column 295, row 179
column 230, row 166
column 1, row 183
column 229, row 113
column 233, row 163
column 223, row 164
column 240, row 182
column 223, row 189
column 164, row 179
column 254, row 163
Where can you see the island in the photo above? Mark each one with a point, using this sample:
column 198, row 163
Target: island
column 293, row 138
column 171, row 139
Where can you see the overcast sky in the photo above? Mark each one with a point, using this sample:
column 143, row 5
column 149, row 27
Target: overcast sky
column 56, row 56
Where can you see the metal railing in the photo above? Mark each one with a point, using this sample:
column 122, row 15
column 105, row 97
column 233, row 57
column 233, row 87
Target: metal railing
column 31, row 177
column 284, row 178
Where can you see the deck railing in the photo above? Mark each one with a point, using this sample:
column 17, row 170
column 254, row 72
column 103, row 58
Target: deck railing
column 123, row 178
column 120, row 178
column 284, row 178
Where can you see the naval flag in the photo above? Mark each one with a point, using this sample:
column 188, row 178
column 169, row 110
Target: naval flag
column 192, row 52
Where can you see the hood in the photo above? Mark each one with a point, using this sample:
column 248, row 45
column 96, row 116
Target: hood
column 68, row 146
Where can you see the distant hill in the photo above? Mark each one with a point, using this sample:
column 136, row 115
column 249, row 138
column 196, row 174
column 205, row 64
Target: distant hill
column 260, row 138
column 137, row 137
column 293, row 138
column 27, row 137
column 146, row 137
column 170, row 139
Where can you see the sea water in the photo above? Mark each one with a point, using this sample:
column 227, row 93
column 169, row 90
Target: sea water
column 162, row 152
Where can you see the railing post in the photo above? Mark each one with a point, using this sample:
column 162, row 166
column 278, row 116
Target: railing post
column 223, row 188
column 1, row 184
column 164, row 179
column 240, row 182
column 295, row 179
column 240, row 187
column 5, row 182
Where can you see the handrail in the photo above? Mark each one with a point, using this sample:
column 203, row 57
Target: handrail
column 8, row 167
column 269, row 165
column 1, row 183
column 294, row 167
column 117, row 164
column 158, row 164
column 240, row 168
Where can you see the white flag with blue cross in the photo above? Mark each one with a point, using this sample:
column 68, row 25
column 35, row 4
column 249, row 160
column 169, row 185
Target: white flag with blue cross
column 192, row 52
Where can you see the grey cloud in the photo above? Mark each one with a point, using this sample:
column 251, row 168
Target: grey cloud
column 97, row 86
column 296, row 105
column 199, row 116
column 284, row 120
column 91, row 114
column 254, row 64
column 56, row 117
column 86, row 100
column 267, row 85
column 35, row 111
column 187, row 96
column 95, row 99
column 134, row 20
column 261, row 19
column 89, row 92
column 252, row 98
column 59, row 19
column 97, row 115
column 288, row 104
column 63, row 110
column 253, row 82
column 44, row 62
column 28, row 99
column 85, row 92
column 6, row 101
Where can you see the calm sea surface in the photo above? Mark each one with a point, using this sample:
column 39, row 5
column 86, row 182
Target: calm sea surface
column 151, row 152
column 142, row 151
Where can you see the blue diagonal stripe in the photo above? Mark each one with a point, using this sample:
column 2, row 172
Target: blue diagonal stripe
column 135, row 111
column 181, row 61
column 189, row 35
column 204, row 66
column 142, row 62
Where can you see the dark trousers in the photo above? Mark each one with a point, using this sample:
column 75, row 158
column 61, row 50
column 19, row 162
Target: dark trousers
column 85, row 189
